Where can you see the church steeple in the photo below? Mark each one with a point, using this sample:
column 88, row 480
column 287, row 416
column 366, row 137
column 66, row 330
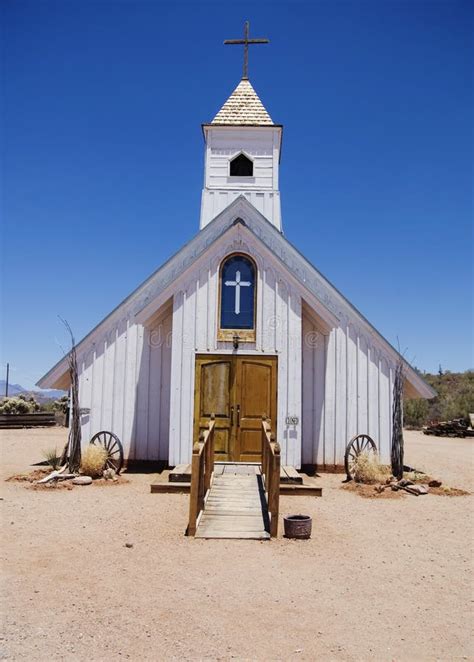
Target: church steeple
column 242, row 152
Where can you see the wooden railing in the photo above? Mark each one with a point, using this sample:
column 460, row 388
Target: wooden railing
column 202, row 468
column 271, row 473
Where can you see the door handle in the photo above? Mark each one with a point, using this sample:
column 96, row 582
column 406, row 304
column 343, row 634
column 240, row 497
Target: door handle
column 238, row 416
column 231, row 416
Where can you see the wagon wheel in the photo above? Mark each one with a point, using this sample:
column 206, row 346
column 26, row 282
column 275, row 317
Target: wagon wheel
column 361, row 443
column 112, row 444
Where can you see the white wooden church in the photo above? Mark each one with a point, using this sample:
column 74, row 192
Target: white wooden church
column 238, row 324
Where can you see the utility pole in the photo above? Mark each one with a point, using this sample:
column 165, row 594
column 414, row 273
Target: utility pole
column 6, row 383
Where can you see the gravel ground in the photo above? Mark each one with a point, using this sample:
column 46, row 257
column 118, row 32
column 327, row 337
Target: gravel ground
column 380, row 579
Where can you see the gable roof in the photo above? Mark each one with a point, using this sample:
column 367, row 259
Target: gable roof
column 243, row 108
column 141, row 303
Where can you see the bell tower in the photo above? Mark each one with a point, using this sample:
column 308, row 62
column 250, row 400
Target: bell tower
column 242, row 156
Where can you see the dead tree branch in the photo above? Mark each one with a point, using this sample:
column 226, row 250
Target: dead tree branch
column 72, row 451
column 397, row 422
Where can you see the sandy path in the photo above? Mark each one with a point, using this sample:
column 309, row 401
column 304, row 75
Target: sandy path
column 379, row 580
column 450, row 458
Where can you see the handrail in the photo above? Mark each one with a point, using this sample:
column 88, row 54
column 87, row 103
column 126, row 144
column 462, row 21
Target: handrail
column 271, row 472
column 202, row 468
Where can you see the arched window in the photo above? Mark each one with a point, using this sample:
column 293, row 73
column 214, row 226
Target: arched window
column 241, row 166
column 237, row 298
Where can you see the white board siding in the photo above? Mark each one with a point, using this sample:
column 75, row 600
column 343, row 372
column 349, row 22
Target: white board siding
column 292, row 450
column 119, row 376
column 165, row 380
column 341, row 393
column 124, row 382
column 108, row 381
column 158, row 394
column 130, row 386
column 85, row 391
column 330, row 401
column 96, row 386
column 222, row 145
column 143, row 388
column 362, row 384
column 214, row 201
column 384, row 410
column 176, row 378
column 351, row 383
column 373, row 389
column 313, row 393
column 347, row 390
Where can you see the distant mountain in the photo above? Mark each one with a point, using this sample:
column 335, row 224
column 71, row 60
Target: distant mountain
column 40, row 396
column 13, row 389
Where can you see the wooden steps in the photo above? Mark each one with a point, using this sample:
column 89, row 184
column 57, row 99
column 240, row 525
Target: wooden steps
column 290, row 475
column 235, row 506
column 164, row 487
column 306, row 489
column 180, row 474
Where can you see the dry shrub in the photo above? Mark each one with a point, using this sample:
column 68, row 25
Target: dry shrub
column 93, row 461
column 52, row 458
column 368, row 470
column 417, row 477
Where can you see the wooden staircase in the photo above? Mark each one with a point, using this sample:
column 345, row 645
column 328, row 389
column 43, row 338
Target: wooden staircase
column 235, row 499
column 250, row 491
column 235, row 506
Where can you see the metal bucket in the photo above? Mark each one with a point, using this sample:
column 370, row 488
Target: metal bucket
column 298, row 526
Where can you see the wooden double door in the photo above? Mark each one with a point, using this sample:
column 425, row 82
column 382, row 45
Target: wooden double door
column 239, row 390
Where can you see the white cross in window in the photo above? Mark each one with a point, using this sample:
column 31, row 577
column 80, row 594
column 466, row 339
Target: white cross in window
column 237, row 283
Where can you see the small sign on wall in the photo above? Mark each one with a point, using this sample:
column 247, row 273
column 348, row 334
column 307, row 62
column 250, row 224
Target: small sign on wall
column 292, row 420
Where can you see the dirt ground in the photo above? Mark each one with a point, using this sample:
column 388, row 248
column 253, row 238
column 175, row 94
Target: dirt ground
column 380, row 579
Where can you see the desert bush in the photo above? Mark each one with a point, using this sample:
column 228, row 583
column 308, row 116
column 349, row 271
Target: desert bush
column 454, row 399
column 93, row 461
column 367, row 469
column 19, row 404
column 62, row 404
column 52, row 458
column 416, row 412
column 33, row 405
column 15, row 406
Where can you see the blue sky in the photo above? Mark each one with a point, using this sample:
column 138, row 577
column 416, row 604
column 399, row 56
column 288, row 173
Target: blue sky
column 103, row 156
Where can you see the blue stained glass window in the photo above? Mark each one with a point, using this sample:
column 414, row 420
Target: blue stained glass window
column 237, row 293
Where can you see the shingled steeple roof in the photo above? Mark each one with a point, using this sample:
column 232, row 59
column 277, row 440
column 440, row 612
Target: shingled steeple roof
column 243, row 108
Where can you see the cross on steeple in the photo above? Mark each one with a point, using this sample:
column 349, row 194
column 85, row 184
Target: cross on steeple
column 245, row 42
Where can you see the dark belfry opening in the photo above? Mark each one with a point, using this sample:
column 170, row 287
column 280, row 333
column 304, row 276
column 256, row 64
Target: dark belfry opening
column 241, row 166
